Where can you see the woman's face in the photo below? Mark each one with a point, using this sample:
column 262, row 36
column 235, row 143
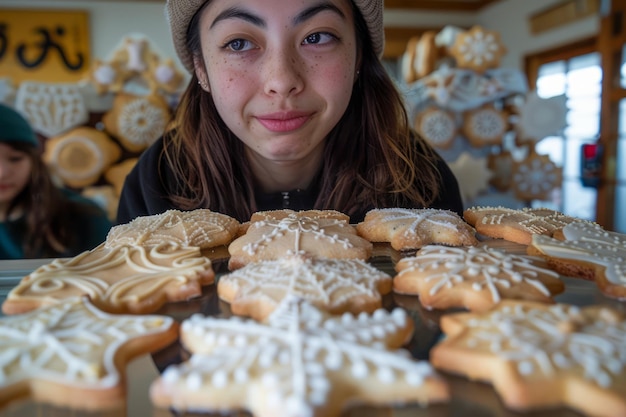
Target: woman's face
column 15, row 171
column 280, row 71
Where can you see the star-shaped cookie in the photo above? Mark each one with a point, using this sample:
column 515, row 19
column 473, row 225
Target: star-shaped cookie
column 73, row 355
column 319, row 233
column 302, row 362
column 540, row 356
column 516, row 225
column 335, row 285
column 475, row 277
column 408, row 229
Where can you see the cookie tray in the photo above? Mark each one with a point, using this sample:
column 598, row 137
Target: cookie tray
column 468, row 398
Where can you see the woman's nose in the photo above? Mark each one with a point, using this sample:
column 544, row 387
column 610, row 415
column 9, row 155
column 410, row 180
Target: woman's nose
column 283, row 74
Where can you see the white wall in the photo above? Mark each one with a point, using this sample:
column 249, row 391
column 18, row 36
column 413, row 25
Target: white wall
column 510, row 19
column 111, row 21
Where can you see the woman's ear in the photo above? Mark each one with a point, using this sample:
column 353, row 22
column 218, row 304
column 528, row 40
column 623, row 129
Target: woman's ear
column 200, row 70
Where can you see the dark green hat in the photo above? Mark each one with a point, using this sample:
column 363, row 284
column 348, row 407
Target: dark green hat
column 15, row 128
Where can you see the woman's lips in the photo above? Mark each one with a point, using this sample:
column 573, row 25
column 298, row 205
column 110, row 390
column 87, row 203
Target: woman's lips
column 283, row 122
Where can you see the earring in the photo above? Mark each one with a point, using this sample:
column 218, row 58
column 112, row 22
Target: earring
column 357, row 73
column 204, row 85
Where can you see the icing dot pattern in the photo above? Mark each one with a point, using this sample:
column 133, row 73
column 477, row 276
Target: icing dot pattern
column 335, row 285
column 202, row 228
column 490, row 274
column 72, row 343
column 302, row 357
column 550, row 341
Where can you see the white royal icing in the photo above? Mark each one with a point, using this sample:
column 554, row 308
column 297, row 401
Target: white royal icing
column 115, row 277
column 323, row 282
column 294, row 354
column 556, row 340
column 73, row 343
column 299, row 226
column 589, row 242
column 487, row 268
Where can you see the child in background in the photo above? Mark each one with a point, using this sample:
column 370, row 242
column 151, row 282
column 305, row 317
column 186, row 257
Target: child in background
column 38, row 219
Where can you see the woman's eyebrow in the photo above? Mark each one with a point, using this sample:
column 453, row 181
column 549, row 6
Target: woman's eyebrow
column 312, row 11
column 237, row 13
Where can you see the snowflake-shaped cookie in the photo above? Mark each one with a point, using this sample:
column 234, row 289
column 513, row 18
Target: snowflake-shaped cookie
column 335, row 285
column 589, row 244
column 319, row 233
column 535, row 177
column 485, row 126
column 122, row 279
column 541, row 356
column 137, row 121
column 475, row 278
column 202, row 228
column 516, row 225
column 408, row 229
column 478, row 49
column 540, row 117
column 437, row 126
column 73, row 347
column 302, row 362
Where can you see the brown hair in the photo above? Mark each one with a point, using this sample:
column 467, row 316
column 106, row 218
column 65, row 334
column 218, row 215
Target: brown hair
column 371, row 157
column 49, row 214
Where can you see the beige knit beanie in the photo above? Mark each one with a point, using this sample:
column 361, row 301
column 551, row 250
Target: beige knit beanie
column 180, row 12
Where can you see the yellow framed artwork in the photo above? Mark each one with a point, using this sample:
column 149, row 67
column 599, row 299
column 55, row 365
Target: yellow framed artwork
column 44, row 45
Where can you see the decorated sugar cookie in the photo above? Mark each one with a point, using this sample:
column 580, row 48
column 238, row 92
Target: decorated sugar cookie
column 137, row 121
column 301, row 362
column 485, row 126
column 585, row 249
column 540, row 117
column 80, row 156
column 437, row 126
column 516, row 225
column 200, row 228
column 334, row 285
column 52, row 108
column 408, row 229
column 73, row 355
column 318, row 233
column 475, row 278
column 541, row 357
column 535, row 177
column 478, row 49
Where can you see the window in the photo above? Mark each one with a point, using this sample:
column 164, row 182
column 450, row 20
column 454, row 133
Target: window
column 580, row 79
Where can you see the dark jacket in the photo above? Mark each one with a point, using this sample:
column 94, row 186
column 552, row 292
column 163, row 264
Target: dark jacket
column 148, row 185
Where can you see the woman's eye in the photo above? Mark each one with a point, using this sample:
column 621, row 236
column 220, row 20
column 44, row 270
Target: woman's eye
column 239, row 45
column 318, row 38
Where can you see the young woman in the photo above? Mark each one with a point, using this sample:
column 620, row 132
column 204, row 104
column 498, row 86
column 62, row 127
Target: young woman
column 37, row 219
column 289, row 106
